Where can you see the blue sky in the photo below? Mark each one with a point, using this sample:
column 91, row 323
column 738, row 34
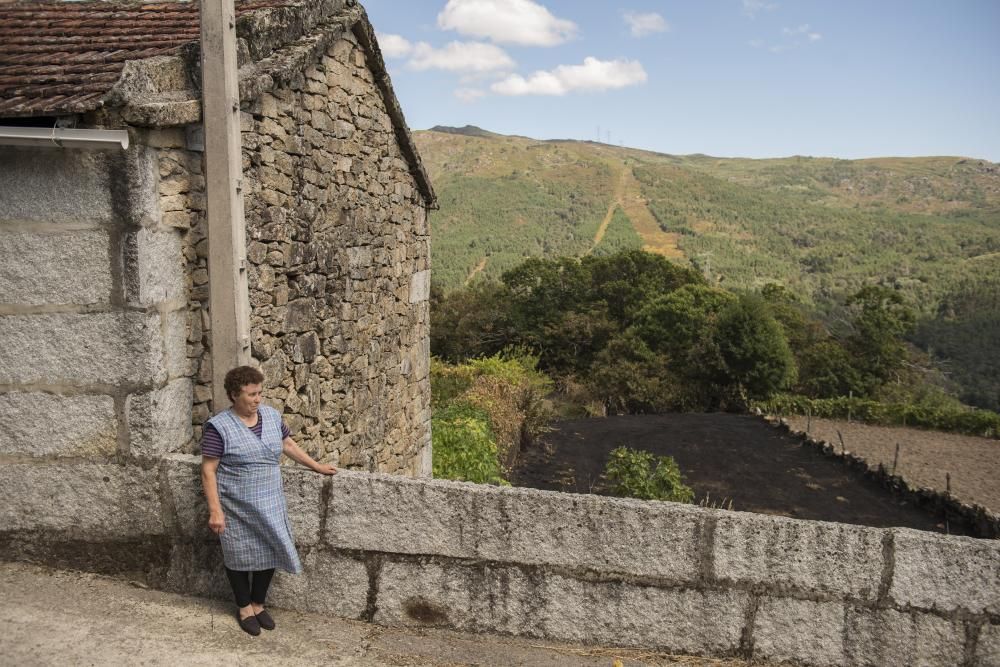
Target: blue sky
column 750, row 78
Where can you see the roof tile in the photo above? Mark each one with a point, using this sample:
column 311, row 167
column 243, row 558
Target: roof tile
column 63, row 57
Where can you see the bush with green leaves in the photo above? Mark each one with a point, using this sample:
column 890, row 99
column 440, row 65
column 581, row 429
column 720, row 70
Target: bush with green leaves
column 756, row 360
column 506, row 395
column 464, row 446
column 634, row 473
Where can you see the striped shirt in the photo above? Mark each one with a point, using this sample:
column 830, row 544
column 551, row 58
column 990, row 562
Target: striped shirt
column 212, row 444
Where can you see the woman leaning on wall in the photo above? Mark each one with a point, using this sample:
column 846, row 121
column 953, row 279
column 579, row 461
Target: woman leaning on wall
column 241, row 450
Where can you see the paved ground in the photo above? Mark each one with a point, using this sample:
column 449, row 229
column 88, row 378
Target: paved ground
column 53, row 617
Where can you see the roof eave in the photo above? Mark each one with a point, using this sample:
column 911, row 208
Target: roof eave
column 365, row 34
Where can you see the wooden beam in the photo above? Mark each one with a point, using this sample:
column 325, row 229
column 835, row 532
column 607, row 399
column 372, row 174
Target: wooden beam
column 229, row 301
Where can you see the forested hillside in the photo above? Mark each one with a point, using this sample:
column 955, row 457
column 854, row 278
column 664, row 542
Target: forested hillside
column 928, row 228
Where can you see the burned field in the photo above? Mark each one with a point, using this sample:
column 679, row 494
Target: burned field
column 724, row 457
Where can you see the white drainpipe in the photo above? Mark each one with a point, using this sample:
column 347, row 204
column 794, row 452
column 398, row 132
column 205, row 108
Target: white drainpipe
column 64, row 137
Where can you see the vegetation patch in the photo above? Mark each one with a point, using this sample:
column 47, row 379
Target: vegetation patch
column 823, row 229
column 634, row 473
column 951, row 419
column 483, row 411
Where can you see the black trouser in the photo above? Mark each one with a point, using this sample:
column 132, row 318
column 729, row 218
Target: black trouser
column 246, row 592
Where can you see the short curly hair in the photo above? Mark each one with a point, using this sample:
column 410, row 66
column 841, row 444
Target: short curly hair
column 239, row 377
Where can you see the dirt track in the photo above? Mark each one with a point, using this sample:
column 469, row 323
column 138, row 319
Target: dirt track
column 722, row 456
column 924, row 456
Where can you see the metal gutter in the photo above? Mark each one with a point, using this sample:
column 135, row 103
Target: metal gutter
column 64, row 138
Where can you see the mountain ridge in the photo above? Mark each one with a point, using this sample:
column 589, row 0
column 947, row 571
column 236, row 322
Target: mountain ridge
column 821, row 227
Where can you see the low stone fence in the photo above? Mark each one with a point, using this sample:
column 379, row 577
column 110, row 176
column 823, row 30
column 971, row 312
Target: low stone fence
column 580, row 568
column 975, row 519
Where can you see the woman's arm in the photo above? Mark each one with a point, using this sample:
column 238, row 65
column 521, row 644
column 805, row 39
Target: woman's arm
column 297, row 454
column 216, row 519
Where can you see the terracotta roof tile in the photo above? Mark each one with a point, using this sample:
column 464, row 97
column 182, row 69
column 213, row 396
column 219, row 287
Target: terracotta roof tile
column 63, row 57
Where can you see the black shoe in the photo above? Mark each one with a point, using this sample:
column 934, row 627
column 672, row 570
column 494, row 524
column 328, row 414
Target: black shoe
column 265, row 620
column 249, row 625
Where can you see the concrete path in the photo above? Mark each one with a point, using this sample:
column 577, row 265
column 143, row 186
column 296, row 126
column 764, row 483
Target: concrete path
column 53, row 617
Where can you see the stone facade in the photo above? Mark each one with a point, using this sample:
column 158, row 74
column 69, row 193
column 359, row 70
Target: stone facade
column 105, row 309
column 338, row 247
column 92, row 362
column 339, row 258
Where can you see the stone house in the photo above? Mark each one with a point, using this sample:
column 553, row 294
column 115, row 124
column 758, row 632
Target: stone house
column 105, row 364
column 105, row 341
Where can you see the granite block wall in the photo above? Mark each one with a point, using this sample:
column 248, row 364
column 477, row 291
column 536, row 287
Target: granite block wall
column 92, row 305
column 581, row 568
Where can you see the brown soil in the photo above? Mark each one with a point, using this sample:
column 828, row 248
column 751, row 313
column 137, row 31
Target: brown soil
column 925, row 457
column 723, row 456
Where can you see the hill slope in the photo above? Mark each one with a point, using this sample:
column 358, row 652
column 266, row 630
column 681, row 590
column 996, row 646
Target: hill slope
column 929, row 227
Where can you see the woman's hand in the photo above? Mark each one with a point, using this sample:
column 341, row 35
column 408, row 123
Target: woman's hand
column 217, row 522
column 297, row 454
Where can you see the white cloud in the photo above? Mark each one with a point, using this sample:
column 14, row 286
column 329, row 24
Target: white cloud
column 394, row 46
column 506, row 21
column 793, row 39
column 803, row 31
column 460, row 57
column 645, row 24
column 753, row 7
column 469, row 95
column 592, row 76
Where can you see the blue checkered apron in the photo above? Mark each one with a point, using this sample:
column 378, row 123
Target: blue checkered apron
column 257, row 535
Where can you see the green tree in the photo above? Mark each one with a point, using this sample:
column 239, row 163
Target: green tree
column 882, row 318
column 628, row 280
column 673, row 323
column 826, row 370
column 629, row 378
column 571, row 343
column 474, row 321
column 757, row 361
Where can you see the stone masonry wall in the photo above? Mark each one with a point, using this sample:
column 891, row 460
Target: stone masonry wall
column 92, row 300
column 582, row 568
column 338, row 252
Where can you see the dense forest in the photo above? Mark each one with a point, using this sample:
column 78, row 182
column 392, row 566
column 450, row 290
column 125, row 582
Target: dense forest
column 638, row 333
column 809, row 235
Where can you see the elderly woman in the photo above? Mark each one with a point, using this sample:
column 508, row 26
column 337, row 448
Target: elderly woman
column 241, row 448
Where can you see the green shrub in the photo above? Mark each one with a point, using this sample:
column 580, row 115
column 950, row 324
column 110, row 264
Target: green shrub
column 464, row 446
column 448, row 382
column 634, row 473
column 527, row 387
column 483, row 410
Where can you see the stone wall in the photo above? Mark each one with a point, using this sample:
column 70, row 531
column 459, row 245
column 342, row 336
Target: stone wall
column 339, row 259
column 966, row 518
column 92, row 302
column 104, row 327
column 583, row 568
